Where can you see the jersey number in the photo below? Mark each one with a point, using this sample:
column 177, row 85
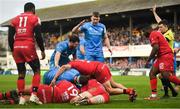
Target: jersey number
column 22, row 21
column 74, row 92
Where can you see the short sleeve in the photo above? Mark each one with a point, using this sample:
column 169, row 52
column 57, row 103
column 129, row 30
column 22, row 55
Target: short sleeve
column 154, row 38
column 60, row 47
column 83, row 27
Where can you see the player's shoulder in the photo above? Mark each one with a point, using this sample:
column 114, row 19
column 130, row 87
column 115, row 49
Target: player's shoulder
column 101, row 24
column 155, row 33
column 63, row 43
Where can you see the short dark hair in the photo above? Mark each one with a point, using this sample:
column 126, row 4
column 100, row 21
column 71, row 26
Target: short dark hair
column 74, row 39
column 164, row 22
column 83, row 79
column 96, row 14
column 29, row 6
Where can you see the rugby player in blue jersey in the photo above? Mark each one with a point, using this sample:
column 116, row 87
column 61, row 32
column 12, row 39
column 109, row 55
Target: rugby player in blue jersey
column 63, row 50
column 95, row 33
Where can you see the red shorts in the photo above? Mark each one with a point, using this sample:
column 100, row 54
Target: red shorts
column 103, row 73
column 24, row 51
column 45, row 93
column 165, row 63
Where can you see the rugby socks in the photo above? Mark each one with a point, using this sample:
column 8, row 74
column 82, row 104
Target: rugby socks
column 35, row 83
column 20, row 85
column 165, row 85
column 153, row 83
column 127, row 91
column 174, row 79
column 1, row 96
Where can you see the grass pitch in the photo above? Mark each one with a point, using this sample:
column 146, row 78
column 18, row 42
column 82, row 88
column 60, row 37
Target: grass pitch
column 140, row 83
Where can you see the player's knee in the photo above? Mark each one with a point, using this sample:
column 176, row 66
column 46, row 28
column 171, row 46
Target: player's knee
column 35, row 65
column 165, row 75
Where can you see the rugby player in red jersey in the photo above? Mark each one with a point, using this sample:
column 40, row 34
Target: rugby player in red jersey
column 23, row 30
column 101, row 73
column 62, row 92
column 163, row 63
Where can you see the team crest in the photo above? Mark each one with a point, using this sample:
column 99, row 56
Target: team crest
column 161, row 66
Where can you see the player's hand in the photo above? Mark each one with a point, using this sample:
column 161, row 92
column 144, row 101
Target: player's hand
column 53, row 82
column 154, row 8
column 43, row 55
column 82, row 22
column 110, row 51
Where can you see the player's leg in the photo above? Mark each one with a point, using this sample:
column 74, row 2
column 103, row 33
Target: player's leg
column 21, row 82
column 35, row 65
column 153, row 82
column 99, row 57
column 118, row 85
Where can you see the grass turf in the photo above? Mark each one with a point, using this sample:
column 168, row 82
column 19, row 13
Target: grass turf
column 140, row 83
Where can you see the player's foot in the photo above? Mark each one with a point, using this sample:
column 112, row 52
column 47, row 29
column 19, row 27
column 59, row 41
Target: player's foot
column 22, row 101
column 174, row 94
column 151, row 98
column 165, row 96
column 82, row 101
column 132, row 95
column 34, row 99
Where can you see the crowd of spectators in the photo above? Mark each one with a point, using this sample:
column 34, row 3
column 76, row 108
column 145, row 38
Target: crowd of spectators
column 120, row 36
column 123, row 63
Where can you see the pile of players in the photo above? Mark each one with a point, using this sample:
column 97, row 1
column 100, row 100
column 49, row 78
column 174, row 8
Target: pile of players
column 85, row 79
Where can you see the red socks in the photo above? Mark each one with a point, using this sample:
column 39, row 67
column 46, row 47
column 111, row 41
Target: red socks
column 153, row 83
column 35, row 82
column 20, row 86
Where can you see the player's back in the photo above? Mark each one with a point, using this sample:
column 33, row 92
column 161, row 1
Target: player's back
column 66, row 91
column 93, row 83
column 85, row 67
column 158, row 38
column 24, row 25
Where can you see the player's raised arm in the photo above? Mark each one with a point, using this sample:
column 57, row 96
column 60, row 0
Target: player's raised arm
column 11, row 34
column 158, row 19
column 60, row 71
column 76, row 29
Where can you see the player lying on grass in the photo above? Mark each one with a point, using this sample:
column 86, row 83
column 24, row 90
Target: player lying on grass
column 101, row 73
column 92, row 92
column 63, row 91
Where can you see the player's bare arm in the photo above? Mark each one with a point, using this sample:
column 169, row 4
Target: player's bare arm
column 82, row 50
column 11, row 34
column 60, row 71
column 158, row 19
column 154, row 51
column 106, row 41
column 57, row 58
column 39, row 39
column 76, row 29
